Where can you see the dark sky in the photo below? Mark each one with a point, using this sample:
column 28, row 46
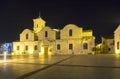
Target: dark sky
column 102, row 17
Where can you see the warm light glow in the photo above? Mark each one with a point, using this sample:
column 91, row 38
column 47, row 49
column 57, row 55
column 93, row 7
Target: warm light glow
column 87, row 33
column 31, row 51
column 117, row 52
column 13, row 54
column 5, row 56
column 99, row 45
column 49, row 53
column 42, row 51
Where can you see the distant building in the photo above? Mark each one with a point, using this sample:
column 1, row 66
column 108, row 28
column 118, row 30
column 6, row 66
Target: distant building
column 117, row 40
column 107, row 45
column 44, row 40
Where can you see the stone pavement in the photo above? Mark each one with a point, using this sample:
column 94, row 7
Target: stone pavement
column 17, row 66
column 62, row 67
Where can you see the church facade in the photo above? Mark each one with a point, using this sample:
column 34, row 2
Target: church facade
column 43, row 40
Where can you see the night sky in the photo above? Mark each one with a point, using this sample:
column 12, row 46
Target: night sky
column 102, row 17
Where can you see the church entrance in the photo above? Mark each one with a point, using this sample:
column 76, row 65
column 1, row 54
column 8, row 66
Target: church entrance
column 46, row 50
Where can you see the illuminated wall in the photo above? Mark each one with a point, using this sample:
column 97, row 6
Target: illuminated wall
column 86, row 33
column 46, row 34
column 27, row 35
column 117, row 40
column 107, row 45
column 39, row 23
column 76, row 32
column 22, row 48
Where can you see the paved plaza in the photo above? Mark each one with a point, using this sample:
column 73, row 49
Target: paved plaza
column 61, row 67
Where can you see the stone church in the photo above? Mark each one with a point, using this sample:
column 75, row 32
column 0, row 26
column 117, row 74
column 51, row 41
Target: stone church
column 43, row 40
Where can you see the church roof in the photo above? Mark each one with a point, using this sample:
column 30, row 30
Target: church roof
column 117, row 29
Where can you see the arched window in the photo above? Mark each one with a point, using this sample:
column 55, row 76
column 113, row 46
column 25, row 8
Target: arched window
column 85, row 46
column 58, row 46
column 26, row 36
column 26, row 47
column 70, row 46
column 118, row 45
column 46, row 34
column 58, row 35
column 18, row 47
column 37, row 25
column 35, row 48
column 70, row 32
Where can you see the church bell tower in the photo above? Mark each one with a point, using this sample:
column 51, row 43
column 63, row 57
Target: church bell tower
column 39, row 23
